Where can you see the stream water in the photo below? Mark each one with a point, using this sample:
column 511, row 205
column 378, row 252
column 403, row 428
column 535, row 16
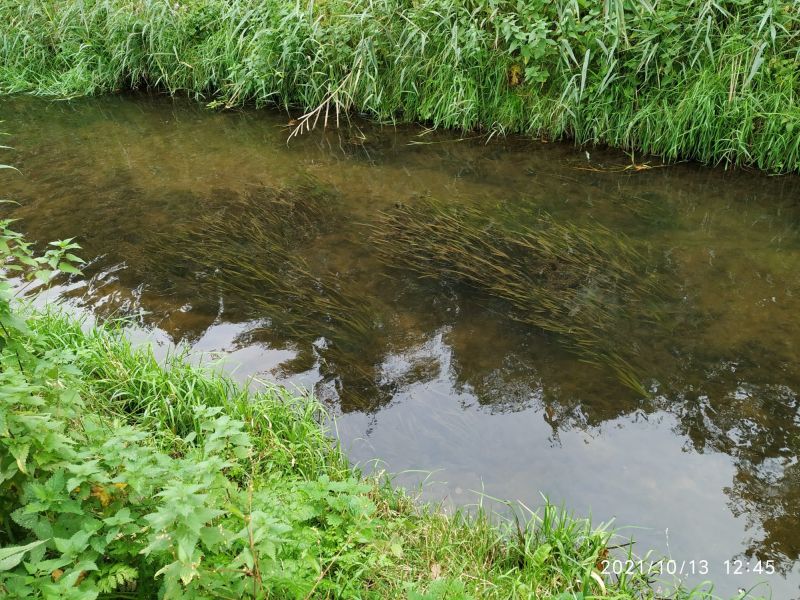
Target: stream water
column 651, row 378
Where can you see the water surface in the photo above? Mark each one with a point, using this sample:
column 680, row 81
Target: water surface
column 213, row 231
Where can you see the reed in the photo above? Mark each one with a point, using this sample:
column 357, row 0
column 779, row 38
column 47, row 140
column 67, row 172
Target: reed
column 707, row 80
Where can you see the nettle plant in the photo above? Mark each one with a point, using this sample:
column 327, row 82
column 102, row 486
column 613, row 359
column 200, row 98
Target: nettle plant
column 93, row 506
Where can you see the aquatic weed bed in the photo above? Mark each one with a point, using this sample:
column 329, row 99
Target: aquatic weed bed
column 712, row 81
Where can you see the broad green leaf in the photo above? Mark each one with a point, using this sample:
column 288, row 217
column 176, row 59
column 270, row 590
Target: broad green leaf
column 26, row 260
column 14, row 322
column 20, row 454
column 43, row 275
column 10, row 557
column 65, row 267
column 541, row 554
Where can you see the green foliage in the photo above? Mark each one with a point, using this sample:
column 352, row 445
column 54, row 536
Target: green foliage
column 17, row 257
column 107, row 510
column 714, row 81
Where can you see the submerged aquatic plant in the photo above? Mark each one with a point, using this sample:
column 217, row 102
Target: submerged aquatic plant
column 252, row 247
column 249, row 251
column 584, row 283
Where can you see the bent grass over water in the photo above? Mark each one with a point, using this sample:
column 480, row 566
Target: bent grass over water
column 715, row 81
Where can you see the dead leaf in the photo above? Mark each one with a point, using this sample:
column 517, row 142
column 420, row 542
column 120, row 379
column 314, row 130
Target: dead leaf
column 602, row 558
column 99, row 492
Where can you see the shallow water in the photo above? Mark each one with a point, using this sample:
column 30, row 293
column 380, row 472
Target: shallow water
column 445, row 373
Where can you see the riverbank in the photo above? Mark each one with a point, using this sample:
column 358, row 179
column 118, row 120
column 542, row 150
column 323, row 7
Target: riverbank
column 126, row 477
column 715, row 82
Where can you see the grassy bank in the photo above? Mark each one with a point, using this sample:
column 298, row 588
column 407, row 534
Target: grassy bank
column 121, row 477
column 713, row 81
column 275, row 510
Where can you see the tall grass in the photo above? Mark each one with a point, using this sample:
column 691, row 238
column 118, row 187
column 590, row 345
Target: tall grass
column 711, row 80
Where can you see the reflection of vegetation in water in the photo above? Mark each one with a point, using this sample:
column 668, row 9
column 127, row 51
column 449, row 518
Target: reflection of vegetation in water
column 582, row 283
column 248, row 251
column 756, row 424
